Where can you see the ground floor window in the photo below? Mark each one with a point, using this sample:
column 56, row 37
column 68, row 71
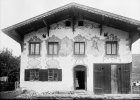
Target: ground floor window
column 43, row 75
column 53, row 75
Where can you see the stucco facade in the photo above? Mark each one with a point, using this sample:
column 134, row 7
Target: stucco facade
column 66, row 60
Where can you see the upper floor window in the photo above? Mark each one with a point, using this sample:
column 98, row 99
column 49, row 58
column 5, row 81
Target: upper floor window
column 79, row 48
column 111, row 48
column 34, row 48
column 53, row 48
column 34, row 45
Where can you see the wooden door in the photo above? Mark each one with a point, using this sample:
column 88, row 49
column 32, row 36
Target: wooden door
column 123, row 78
column 102, row 78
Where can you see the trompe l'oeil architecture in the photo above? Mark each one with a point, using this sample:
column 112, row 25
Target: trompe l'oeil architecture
column 76, row 47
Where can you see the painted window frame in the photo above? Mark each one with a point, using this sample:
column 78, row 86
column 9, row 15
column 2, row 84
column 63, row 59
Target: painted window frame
column 79, row 48
column 111, row 43
column 34, row 43
column 53, row 43
column 54, row 72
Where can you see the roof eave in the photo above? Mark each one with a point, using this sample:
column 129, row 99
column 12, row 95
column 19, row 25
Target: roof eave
column 17, row 36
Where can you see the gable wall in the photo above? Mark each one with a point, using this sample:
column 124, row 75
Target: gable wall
column 66, row 60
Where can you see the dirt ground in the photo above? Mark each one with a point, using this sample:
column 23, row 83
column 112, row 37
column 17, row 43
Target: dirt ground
column 69, row 95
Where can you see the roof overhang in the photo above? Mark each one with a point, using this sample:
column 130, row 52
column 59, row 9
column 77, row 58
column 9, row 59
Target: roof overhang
column 73, row 10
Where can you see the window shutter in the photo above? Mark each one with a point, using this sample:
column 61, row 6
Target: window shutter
column 43, row 75
column 27, row 75
column 59, row 74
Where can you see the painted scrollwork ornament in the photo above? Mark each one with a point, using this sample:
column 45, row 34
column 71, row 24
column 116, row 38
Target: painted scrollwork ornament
column 66, row 46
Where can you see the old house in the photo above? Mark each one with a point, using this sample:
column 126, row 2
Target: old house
column 76, row 47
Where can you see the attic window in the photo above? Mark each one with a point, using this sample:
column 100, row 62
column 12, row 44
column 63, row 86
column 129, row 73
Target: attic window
column 80, row 23
column 67, row 23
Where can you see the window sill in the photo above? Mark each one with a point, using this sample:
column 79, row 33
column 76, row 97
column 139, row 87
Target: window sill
column 79, row 55
column 111, row 55
column 42, row 81
column 52, row 55
column 34, row 55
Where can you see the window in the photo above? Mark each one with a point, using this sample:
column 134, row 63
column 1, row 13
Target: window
column 80, row 23
column 34, row 48
column 79, row 48
column 52, row 75
column 34, row 74
column 43, row 75
column 111, row 48
column 53, row 48
column 67, row 23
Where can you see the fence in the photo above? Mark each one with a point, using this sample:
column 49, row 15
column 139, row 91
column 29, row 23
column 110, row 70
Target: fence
column 8, row 86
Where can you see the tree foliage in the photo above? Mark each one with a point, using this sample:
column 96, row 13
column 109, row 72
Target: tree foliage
column 9, row 65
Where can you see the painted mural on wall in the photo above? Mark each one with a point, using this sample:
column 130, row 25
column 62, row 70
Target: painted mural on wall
column 80, row 38
column 52, row 63
column 35, row 39
column 53, row 38
column 59, row 25
column 112, row 37
column 34, row 63
column 90, row 25
column 66, row 46
column 95, row 46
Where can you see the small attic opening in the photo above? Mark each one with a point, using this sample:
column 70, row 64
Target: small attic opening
column 80, row 23
column 67, row 23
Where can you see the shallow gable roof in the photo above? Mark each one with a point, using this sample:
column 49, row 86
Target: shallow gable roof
column 71, row 10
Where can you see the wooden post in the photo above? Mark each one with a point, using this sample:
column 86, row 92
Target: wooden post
column 47, row 26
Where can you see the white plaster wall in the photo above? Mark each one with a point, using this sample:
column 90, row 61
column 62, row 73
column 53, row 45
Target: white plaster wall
column 68, row 61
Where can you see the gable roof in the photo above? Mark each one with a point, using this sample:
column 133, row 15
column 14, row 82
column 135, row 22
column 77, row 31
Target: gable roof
column 72, row 10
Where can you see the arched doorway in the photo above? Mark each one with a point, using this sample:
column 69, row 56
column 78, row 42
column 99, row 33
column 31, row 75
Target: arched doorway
column 80, row 77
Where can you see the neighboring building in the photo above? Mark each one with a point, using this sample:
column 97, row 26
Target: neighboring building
column 76, row 47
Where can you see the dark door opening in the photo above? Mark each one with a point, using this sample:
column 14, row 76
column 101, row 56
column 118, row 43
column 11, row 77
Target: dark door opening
column 80, row 80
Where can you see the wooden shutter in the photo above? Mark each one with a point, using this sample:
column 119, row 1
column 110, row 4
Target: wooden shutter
column 123, row 76
column 27, row 75
column 43, row 75
column 59, row 74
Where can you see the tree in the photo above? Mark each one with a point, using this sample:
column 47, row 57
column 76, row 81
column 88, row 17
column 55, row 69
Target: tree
column 9, row 65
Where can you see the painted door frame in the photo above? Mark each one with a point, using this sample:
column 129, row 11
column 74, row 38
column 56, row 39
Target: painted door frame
column 79, row 68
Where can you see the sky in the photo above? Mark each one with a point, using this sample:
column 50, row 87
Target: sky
column 15, row 11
